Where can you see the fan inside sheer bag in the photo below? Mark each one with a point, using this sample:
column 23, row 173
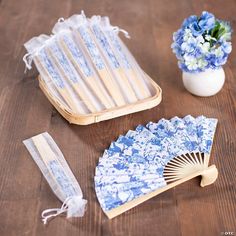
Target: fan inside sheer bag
column 86, row 67
column 152, row 159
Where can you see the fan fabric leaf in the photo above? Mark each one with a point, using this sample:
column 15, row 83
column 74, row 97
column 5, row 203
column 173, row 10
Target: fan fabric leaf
column 134, row 164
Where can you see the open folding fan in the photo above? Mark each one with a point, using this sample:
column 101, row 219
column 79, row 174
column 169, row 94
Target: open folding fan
column 153, row 159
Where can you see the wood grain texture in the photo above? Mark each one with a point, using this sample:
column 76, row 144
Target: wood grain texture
column 24, row 111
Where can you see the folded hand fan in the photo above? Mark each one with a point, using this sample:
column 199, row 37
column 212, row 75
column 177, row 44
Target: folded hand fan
column 152, row 159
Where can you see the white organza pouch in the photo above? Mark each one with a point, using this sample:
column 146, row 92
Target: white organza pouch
column 51, row 71
column 56, row 171
column 82, row 62
column 79, row 26
column 128, row 63
column 105, row 45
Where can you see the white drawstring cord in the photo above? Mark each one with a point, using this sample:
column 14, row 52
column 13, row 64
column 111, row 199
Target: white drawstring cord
column 28, row 59
column 126, row 34
column 74, row 206
column 47, row 214
column 57, row 211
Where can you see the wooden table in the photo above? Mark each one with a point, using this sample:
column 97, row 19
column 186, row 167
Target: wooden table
column 24, row 111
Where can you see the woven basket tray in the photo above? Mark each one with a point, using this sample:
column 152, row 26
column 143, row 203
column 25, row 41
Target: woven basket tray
column 85, row 119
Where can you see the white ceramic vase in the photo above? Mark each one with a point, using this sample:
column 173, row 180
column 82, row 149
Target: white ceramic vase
column 205, row 83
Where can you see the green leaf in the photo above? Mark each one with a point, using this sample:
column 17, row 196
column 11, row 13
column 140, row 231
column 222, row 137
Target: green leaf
column 221, row 32
column 215, row 30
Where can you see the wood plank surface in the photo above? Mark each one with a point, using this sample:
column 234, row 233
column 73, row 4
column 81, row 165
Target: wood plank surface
column 24, row 111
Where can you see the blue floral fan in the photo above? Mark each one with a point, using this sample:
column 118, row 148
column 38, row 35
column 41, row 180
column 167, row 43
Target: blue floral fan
column 152, row 159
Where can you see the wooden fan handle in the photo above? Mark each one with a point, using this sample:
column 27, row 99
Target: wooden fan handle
column 209, row 176
column 84, row 97
column 44, row 149
column 142, row 88
column 112, row 87
column 98, row 90
column 129, row 90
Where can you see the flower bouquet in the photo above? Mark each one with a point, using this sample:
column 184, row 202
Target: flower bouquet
column 202, row 46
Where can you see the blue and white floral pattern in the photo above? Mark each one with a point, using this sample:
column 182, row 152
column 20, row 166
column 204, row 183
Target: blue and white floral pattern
column 64, row 62
column 62, row 179
column 114, row 39
column 91, row 47
column 77, row 55
column 48, row 64
column 133, row 165
column 205, row 133
column 105, row 46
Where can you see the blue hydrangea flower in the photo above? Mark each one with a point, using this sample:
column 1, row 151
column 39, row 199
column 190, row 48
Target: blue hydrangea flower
column 189, row 21
column 202, row 43
column 206, row 21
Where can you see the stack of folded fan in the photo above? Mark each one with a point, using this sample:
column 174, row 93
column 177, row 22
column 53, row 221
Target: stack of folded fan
column 86, row 66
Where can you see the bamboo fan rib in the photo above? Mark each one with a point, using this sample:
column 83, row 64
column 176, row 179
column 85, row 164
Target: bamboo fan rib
column 153, row 158
column 184, row 165
column 89, row 68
